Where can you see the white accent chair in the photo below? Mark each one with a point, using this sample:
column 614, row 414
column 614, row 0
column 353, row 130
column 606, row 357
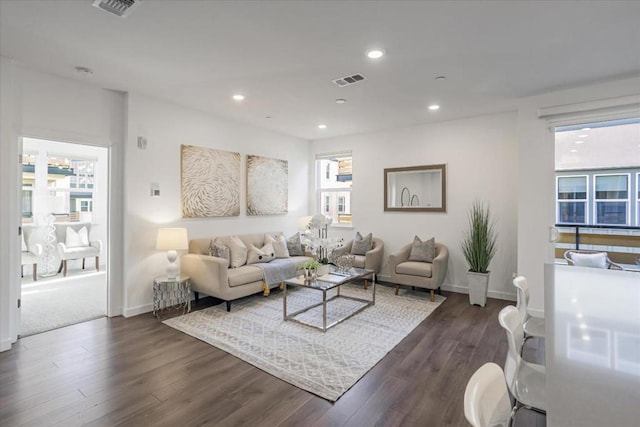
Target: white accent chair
column 588, row 258
column 532, row 326
column 486, row 398
column 92, row 249
column 31, row 252
column 527, row 382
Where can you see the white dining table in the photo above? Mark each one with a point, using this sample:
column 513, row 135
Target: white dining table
column 592, row 346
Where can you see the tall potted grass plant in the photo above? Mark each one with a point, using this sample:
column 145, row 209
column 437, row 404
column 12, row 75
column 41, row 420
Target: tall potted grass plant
column 479, row 248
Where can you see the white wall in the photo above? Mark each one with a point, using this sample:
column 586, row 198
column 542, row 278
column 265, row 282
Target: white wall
column 41, row 105
column 166, row 127
column 480, row 154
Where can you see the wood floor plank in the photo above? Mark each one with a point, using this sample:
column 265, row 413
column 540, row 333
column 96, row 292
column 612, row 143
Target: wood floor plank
column 137, row 371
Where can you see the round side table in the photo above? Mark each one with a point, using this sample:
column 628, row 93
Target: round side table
column 169, row 294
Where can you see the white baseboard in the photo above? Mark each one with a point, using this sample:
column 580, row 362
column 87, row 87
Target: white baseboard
column 5, row 345
column 508, row 296
column 135, row 311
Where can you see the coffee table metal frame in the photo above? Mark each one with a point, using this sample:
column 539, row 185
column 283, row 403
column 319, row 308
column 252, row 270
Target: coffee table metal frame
column 337, row 280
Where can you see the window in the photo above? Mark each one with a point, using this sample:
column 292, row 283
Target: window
column 572, row 200
column 611, row 199
column 333, row 186
column 86, row 206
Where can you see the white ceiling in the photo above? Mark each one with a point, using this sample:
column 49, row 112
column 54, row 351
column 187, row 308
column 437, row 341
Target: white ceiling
column 283, row 55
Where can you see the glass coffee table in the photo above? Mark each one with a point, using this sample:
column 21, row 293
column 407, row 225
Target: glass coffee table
column 333, row 280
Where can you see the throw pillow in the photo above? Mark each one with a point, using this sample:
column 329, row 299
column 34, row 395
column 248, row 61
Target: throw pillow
column 24, row 244
column 77, row 239
column 423, row 251
column 264, row 254
column 598, row 260
column 219, row 251
column 237, row 250
column 279, row 245
column 361, row 245
column 294, row 246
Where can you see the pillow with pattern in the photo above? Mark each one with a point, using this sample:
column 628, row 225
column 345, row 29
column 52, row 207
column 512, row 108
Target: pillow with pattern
column 219, row 251
column 264, row 254
column 294, row 246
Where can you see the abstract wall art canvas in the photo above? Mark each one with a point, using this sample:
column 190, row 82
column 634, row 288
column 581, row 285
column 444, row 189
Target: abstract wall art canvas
column 210, row 182
column 267, row 186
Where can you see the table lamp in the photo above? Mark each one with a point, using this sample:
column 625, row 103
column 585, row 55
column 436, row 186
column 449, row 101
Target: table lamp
column 172, row 240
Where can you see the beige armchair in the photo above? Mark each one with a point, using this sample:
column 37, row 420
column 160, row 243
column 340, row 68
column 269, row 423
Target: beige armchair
column 419, row 274
column 372, row 260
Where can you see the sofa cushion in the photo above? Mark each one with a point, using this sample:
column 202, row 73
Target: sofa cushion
column 279, row 245
column 244, row 275
column 237, row 249
column 415, row 268
column 264, row 254
column 219, row 251
column 294, row 246
column 423, row 251
column 361, row 245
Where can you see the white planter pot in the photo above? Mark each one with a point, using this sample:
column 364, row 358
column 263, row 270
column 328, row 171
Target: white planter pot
column 478, row 285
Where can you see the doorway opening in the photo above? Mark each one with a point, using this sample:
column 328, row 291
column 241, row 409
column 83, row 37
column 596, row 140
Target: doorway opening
column 64, row 201
column 598, row 190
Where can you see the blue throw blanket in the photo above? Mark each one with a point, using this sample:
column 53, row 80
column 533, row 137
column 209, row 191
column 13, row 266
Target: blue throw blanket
column 277, row 270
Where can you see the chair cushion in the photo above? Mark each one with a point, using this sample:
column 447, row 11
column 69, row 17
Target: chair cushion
column 81, row 252
column 75, row 239
column 598, row 260
column 415, row 268
column 28, row 258
column 361, row 245
column 243, row 275
column 423, row 251
column 358, row 261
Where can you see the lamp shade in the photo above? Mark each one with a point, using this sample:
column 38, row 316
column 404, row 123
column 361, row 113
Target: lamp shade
column 172, row 239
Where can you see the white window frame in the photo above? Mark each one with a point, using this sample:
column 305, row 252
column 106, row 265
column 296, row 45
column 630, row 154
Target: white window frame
column 343, row 204
column 320, row 173
column 596, row 200
column 586, row 200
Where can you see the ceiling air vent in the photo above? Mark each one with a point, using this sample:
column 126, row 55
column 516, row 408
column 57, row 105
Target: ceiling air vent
column 349, row 80
column 121, row 8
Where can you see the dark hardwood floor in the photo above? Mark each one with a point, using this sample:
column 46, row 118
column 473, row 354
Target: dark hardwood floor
column 139, row 372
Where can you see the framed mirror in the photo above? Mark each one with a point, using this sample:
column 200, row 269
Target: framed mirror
column 416, row 189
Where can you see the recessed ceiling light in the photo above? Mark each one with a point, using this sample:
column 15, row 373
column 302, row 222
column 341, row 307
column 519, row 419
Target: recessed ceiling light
column 584, row 135
column 238, row 97
column 434, row 107
column 84, row 70
column 322, row 126
column 584, row 129
column 579, row 142
column 574, row 151
column 341, row 101
column 439, row 78
column 267, row 117
column 586, row 338
column 375, row 53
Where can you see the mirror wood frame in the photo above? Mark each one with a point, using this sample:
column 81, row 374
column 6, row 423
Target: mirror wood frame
column 388, row 207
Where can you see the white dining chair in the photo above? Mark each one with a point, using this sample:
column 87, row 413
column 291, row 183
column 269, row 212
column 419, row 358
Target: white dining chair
column 526, row 381
column 532, row 326
column 486, row 398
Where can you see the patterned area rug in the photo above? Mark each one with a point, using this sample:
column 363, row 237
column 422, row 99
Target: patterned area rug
column 325, row 364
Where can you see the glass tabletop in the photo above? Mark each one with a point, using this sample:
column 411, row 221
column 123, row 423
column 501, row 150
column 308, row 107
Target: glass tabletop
column 330, row 280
